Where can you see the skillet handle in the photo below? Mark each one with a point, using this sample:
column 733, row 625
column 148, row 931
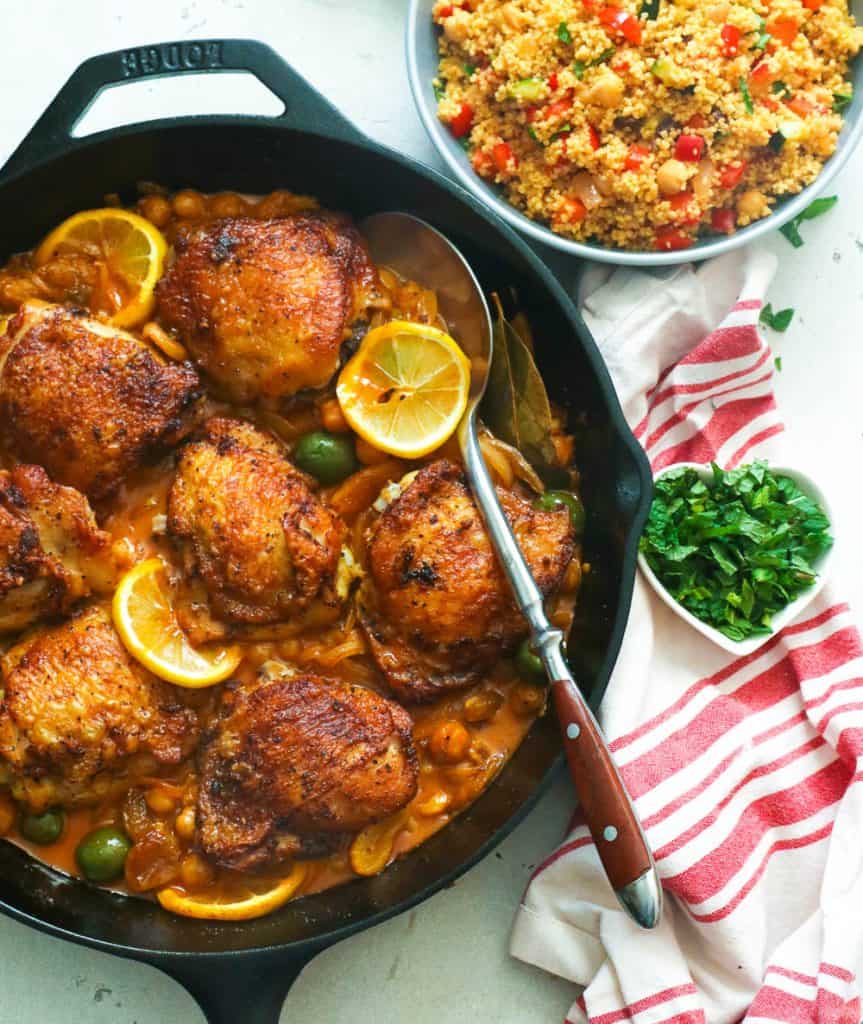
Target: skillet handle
column 251, row 988
column 305, row 108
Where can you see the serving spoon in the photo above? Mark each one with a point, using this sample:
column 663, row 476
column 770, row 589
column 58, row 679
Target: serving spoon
column 417, row 251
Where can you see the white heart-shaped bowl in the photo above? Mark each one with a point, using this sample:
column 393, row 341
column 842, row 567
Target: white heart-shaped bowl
column 780, row 619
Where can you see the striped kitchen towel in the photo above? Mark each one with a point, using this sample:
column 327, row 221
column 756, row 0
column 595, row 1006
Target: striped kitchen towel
column 744, row 771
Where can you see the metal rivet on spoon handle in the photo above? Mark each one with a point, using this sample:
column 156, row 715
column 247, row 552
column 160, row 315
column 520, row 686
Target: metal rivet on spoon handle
column 420, row 253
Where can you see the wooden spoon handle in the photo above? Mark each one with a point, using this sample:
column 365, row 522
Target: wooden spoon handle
column 604, row 801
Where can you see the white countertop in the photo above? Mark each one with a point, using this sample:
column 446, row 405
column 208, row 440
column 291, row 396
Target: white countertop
column 447, row 960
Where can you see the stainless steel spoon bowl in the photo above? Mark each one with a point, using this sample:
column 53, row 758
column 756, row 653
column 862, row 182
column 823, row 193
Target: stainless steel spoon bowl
column 417, row 251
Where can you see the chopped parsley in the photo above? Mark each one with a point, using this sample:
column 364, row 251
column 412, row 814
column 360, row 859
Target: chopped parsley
column 776, row 142
column 747, row 98
column 841, row 102
column 736, row 549
column 439, row 90
column 465, row 143
column 780, row 89
column 779, row 321
column 762, row 41
column 469, row 70
column 791, row 230
column 563, row 33
column 533, row 134
column 579, row 67
column 649, row 9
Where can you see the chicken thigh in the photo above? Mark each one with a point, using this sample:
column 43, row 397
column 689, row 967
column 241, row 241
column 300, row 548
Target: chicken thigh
column 436, row 607
column 51, row 551
column 77, row 708
column 265, row 548
column 265, row 305
column 87, row 401
column 296, row 760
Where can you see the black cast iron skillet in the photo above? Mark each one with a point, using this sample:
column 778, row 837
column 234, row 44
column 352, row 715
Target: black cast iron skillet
column 243, row 971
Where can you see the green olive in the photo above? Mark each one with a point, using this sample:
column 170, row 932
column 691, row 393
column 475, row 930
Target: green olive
column 44, row 828
column 101, row 854
column 329, row 458
column 528, row 664
column 555, row 499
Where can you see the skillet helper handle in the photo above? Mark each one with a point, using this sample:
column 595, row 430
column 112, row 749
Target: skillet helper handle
column 607, row 809
column 305, row 109
column 250, row 989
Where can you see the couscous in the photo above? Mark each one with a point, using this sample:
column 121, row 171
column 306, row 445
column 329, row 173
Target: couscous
column 644, row 124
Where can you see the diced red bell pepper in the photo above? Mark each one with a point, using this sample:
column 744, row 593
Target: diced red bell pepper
column 593, row 134
column 482, row 163
column 553, row 82
column 670, row 240
column 697, row 122
column 783, row 29
column 724, row 221
column 531, row 113
column 813, row 5
column 621, row 23
column 620, row 66
column 761, row 74
column 571, row 210
column 731, row 36
column 560, row 108
column 801, row 106
column 689, row 148
column 503, row 157
column 636, row 156
column 461, row 124
column 769, row 102
column 684, row 203
column 445, row 12
column 730, row 174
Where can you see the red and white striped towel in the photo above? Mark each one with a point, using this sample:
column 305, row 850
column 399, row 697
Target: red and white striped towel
column 744, row 771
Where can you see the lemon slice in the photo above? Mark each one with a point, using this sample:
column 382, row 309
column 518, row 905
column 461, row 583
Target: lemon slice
column 405, row 389
column 149, row 630
column 129, row 250
column 372, row 848
column 247, row 898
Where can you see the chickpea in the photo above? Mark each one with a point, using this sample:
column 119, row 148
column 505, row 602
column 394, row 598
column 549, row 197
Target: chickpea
column 456, row 26
column 227, row 204
column 157, row 210
column 333, row 418
column 189, row 204
column 436, row 804
column 480, row 707
column 159, row 801
column 184, row 823
column 607, row 91
column 368, row 454
column 527, row 700
column 195, row 872
column 671, row 177
column 449, row 742
column 751, row 205
column 7, row 813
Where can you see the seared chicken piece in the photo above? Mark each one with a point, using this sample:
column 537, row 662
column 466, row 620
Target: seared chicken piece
column 251, row 531
column 265, row 305
column 296, row 760
column 87, row 401
column 51, row 551
column 437, row 608
column 77, row 708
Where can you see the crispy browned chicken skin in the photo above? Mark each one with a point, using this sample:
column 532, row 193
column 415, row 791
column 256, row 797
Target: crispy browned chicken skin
column 87, row 401
column 436, row 607
column 76, row 707
column 294, row 760
column 265, row 305
column 51, row 551
column 264, row 546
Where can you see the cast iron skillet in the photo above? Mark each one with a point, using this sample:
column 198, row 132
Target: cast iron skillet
column 243, row 971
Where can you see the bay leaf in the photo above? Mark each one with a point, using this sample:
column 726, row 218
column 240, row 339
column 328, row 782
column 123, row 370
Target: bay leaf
column 516, row 407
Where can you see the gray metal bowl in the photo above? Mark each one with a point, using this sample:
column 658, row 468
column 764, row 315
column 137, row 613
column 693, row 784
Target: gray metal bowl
column 421, row 44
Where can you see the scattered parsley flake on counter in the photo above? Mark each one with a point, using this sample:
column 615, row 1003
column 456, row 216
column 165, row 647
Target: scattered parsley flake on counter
column 563, row 33
column 736, row 549
column 777, row 362
column 779, row 321
column 791, row 230
column 747, row 98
